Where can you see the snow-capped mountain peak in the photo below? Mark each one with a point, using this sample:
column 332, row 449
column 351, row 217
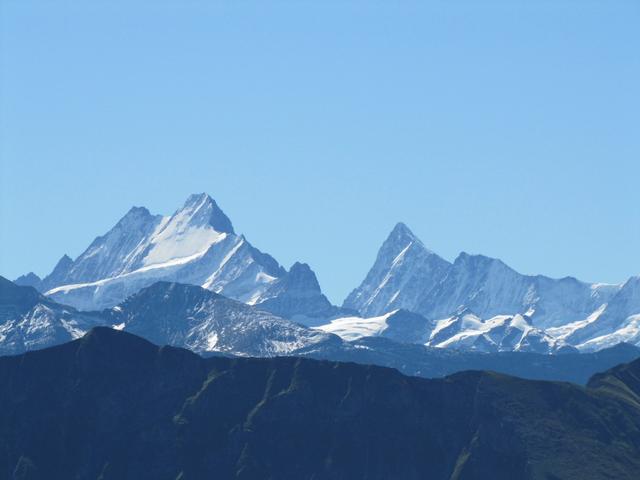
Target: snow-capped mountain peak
column 476, row 302
column 404, row 267
column 134, row 216
column 202, row 210
column 549, row 313
column 401, row 233
column 195, row 245
column 188, row 233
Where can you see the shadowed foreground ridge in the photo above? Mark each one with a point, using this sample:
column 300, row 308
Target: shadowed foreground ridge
column 114, row 406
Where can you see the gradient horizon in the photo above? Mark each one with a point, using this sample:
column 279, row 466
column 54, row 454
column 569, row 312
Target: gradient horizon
column 510, row 129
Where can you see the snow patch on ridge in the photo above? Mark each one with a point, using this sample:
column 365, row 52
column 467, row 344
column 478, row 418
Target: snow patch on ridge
column 353, row 328
column 178, row 237
column 564, row 331
column 628, row 333
column 170, row 263
column 210, row 281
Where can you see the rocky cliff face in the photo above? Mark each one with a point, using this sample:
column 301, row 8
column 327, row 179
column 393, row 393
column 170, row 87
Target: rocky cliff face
column 297, row 295
column 202, row 321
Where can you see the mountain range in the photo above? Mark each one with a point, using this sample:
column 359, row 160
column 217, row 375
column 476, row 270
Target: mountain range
column 410, row 295
column 119, row 407
column 196, row 245
column 480, row 303
column 205, row 322
column 166, row 313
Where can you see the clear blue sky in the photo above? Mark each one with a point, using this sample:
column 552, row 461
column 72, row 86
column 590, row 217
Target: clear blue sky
column 509, row 128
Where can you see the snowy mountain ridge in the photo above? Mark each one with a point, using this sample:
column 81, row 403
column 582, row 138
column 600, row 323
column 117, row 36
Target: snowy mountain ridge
column 202, row 321
column 410, row 294
column 557, row 313
column 175, row 314
column 196, row 245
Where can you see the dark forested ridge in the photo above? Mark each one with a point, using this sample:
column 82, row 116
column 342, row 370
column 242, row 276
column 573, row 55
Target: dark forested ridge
column 114, row 406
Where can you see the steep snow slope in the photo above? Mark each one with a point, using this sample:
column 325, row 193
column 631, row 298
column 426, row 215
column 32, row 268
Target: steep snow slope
column 489, row 287
column 616, row 321
column 196, row 245
column 404, row 272
column 627, row 332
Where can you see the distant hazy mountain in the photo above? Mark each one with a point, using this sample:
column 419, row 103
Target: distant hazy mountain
column 166, row 313
column 429, row 362
column 113, row 406
column 30, row 321
column 208, row 323
column 503, row 309
column 297, row 295
column 196, row 245
column 202, row 321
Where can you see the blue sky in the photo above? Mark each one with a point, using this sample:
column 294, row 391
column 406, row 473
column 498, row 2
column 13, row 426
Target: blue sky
column 508, row 128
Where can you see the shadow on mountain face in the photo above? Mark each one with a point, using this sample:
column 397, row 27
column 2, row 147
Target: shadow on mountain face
column 196, row 318
column 114, row 406
column 430, row 362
